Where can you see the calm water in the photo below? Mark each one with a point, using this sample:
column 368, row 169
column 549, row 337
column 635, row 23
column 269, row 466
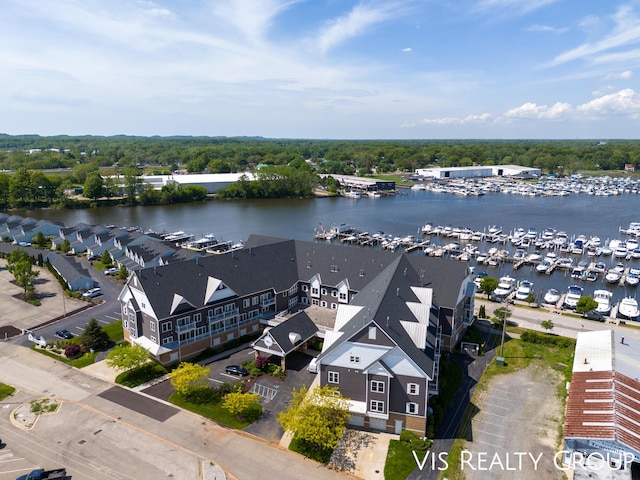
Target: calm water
column 400, row 215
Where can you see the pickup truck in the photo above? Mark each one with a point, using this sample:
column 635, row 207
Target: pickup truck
column 40, row 474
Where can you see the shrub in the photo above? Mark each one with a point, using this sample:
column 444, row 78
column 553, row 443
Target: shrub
column 261, row 362
column 414, row 440
column 201, row 395
column 547, row 339
column 251, row 414
column 482, row 312
column 72, row 350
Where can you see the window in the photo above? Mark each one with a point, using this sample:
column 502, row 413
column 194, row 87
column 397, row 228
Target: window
column 334, row 377
column 324, row 291
column 323, row 304
column 334, row 306
column 413, row 389
column 372, row 333
column 167, row 327
column 153, row 339
column 246, row 302
column 255, row 301
column 412, row 407
column 334, row 293
column 168, row 339
column 377, row 406
column 343, row 296
column 305, row 288
column 152, row 325
column 354, row 359
column 377, row 387
column 314, row 291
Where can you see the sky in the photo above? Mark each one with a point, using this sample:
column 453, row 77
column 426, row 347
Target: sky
column 322, row 69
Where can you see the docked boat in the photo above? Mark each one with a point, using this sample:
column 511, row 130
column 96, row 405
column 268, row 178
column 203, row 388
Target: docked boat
column 633, row 277
column 552, row 296
column 543, row 266
column 603, row 297
column 505, row 286
column 578, row 272
column 573, row 295
column 524, row 289
column 591, row 276
column 621, row 250
column 201, row 244
column 628, row 308
column 613, row 276
column 352, row 194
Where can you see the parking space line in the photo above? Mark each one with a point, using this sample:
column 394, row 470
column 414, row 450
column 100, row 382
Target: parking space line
column 494, row 414
column 497, row 406
column 489, row 444
column 488, row 433
column 112, row 318
column 215, row 380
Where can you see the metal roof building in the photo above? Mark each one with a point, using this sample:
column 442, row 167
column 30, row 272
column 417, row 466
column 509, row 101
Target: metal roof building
column 603, row 408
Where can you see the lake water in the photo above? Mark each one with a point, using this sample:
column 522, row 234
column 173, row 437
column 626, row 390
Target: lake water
column 401, row 215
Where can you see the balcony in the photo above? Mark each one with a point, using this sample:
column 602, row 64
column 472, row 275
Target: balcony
column 223, row 316
column 186, row 327
column 268, row 301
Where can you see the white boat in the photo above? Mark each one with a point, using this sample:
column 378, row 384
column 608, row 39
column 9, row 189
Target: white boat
column 427, row 228
column 607, row 250
column 552, row 296
column 613, row 276
column 573, row 295
column 505, row 286
column 628, row 308
column 621, row 250
column 543, row 266
column 603, row 297
column 352, row 194
column 633, row 277
column 578, row 273
column 524, row 289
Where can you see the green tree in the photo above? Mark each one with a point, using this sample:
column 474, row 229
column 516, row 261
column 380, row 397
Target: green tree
column 132, row 183
column 318, row 418
column 94, row 337
column 189, row 377
column 122, row 273
column 488, row 285
column 547, row 325
column 94, row 186
column 39, row 239
column 106, row 258
column 24, row 274
column 16, row 256
column 127, row 357
column 243, row 405
column 586, row 304
column 530, row 298
column 65, row 246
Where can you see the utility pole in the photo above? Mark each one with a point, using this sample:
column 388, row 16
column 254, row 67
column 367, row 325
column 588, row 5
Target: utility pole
column 504, row 327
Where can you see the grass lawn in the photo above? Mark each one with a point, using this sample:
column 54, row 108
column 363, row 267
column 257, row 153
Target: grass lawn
column 6, row 390
column 212, row 411
column 400, row 460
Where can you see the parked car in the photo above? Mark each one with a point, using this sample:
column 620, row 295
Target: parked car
column 594, row 315
column 110, row 271
column 236, row 370
column 94, row 292
column 64, row 334
column 313, row 366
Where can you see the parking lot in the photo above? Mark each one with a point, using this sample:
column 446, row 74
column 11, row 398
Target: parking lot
column 518, row 412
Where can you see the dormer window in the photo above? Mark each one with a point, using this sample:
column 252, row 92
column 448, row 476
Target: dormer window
column 354, row 358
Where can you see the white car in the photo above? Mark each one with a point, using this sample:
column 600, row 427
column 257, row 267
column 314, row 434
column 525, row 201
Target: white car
column 94, row 292
column 110, row 271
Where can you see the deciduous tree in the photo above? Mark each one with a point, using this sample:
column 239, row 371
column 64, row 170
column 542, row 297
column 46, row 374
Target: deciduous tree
column 318, row 417
column 243, row 405
column 547, row 325
column 488, row 285
column 586, row 304
column 188, row 377
column 127, row 357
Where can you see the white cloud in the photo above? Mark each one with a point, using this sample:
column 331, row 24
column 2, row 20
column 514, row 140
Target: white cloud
column 625, row 102
column 357, row 22
column 407, row 50
column 482, row 118
column 626, row 31
column 545, row 28
column 627, row 74
column 539, row 112
column 514, row 7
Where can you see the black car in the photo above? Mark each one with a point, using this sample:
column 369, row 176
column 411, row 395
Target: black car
column 236, row 370
column 594, row 315
column 65, row 334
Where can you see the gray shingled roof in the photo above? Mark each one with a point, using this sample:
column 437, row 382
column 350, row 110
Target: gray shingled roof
column 299, row 323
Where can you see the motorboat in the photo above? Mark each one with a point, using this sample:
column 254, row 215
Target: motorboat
column 574, row 293
column 633, row 277
column 578, row 273
column 635, row 253
column 552, row 296
column 505, row 286
column 603, row 297
column 591, row 276
column 621, row 250
column 524, row 289
column 607, row 250
column 478, row 279
column 352, row 194
column 427, row 228
column 543, row 266
column 599, row 267
column 613, row 276
column 628, row 308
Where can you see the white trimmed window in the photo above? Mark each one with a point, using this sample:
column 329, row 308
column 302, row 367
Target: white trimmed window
column 153, row 339
column 354, row 359
column 333, row 377
column 412, row 407
column 167, row 327
column 152, row 325
column 377, row 406
column 246, row 302
column 377, row 386
column 334, row 293
column 168, row 339
column 372, row 333
column 305, row 288
column 334, row 306
column 413, row 389
column 323, row 303
column 324, row 291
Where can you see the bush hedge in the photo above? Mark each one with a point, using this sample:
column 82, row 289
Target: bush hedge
column 547, row 339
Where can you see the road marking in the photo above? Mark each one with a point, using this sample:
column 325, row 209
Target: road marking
column 112, row 318
column 215, row 380
column 488, row 433
column 490, row 444
column 494, row 414
column 18, row 470
column 497, row 406
column 103, row 321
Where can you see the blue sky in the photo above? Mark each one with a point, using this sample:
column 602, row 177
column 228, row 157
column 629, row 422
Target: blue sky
column 340, row 69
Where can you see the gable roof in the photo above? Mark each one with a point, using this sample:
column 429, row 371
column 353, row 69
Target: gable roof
column 292, row 332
